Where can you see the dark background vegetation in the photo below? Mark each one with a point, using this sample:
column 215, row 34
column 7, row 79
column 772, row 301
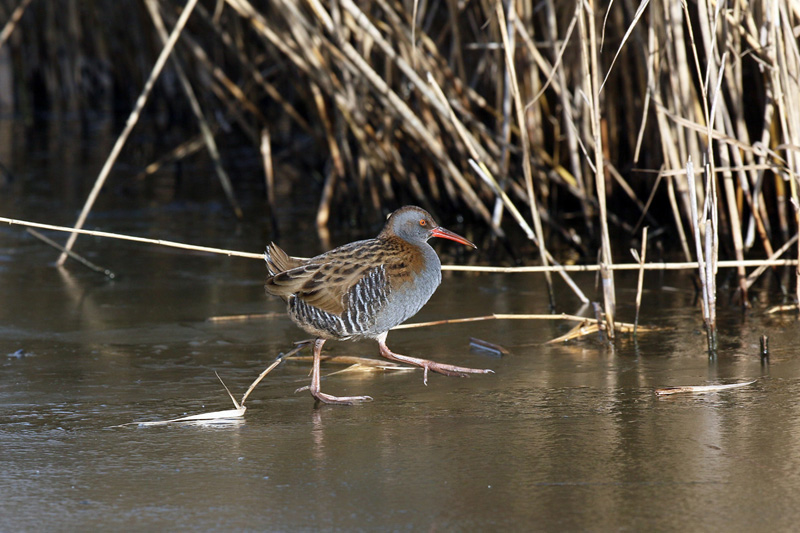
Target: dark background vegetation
column 360, row 139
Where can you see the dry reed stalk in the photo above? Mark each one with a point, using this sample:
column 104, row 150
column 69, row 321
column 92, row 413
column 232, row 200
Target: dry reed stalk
column 361, row 20
column 237, row 413
column 784, row 51
column 650, row 198
column 13, row 20
column 641, row 260
column 706, row 255
column 443, row 109
column 660, row 266
column 231, row 88
column 355, row 363
column 185, row 149
column 621, row 326
column 672, row 58
column 650, row 90
column 715, row 134
column 735, row 226
column 722, row 117
column 234, row 110
column 160, row 242
column 357, row 62
column 475, row 153
column 755, row 274
column 129, row 125
column 691, row 106
column 281, row 358
column 255, row 73
column 711, row 234
column 79, row 258
column 336, row 171
column 766, row 126
column 719, row 169
column 785, row 308
column 657, row 266
column 584, row 329
column 711, row 257
column 239, row 408
column 262, row 26
column 269, row 176
column 242, row 318
column 701, row 389
column 215, row 417
column 524, row 143
column 411, row 120
column 597, row 325
column 695, row 220
column 680, row 91
column 483, row 172
column 205, row 129
column 711, row 253
column 505, row 100
column 676, row 212
column 589, row 54
column 568, row 112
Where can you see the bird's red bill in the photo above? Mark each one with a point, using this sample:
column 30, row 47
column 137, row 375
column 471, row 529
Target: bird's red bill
column 447, row 234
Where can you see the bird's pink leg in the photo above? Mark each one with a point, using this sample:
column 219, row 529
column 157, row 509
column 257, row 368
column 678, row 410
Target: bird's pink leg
column 425, row 364
column 314, row 387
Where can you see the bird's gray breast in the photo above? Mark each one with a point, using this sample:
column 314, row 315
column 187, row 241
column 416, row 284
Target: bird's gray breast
column 405, row 299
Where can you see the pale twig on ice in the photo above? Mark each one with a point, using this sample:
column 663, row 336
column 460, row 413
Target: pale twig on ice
column 701, row 389
column 355, row 364
column 687, row 265
column 230, row 414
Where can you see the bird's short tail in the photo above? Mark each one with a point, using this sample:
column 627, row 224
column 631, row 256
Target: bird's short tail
column 279, row 261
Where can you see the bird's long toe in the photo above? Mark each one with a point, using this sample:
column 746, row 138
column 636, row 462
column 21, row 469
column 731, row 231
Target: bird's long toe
column 457, row 371
column 340, row 400
column 433, row 366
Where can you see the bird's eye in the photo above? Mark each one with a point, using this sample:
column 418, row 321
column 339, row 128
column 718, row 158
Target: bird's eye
column 423, row 222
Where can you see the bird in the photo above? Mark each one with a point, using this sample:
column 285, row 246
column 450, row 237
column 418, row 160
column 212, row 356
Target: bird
column 363, row 289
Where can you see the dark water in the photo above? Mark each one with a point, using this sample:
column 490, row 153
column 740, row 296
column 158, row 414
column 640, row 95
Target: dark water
column 563, row 437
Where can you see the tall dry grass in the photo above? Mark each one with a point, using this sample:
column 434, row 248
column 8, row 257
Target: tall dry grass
column 583, row 114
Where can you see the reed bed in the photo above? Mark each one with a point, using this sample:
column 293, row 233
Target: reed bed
column 567, row 123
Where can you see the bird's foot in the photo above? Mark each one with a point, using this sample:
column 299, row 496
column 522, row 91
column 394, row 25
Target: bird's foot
column 327, row 398
column 439, row 368
column 444, row 369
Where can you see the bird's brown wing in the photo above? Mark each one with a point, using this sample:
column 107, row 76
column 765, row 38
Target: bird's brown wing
column 323, row 281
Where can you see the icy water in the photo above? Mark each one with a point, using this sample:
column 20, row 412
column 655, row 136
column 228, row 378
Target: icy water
column 563, row 437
